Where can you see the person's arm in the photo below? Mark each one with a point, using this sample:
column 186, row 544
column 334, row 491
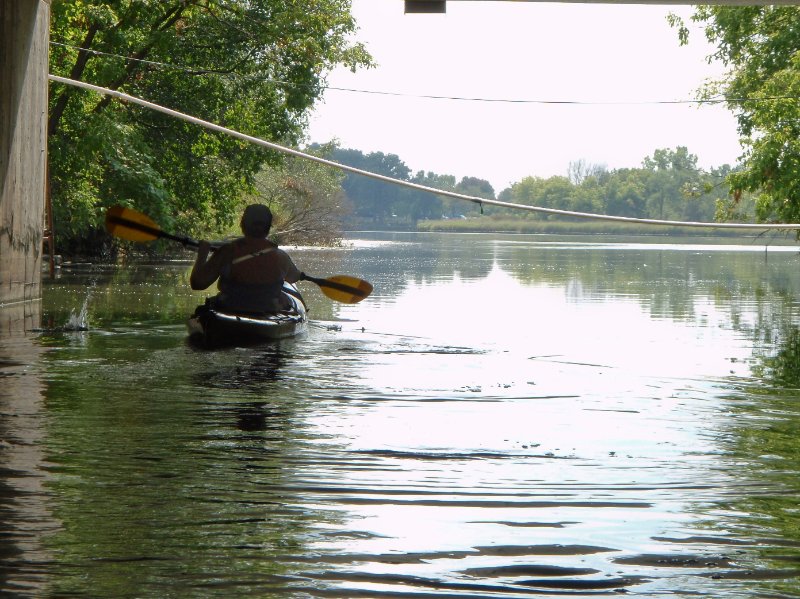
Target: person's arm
column 206, row 270
column 292, row 274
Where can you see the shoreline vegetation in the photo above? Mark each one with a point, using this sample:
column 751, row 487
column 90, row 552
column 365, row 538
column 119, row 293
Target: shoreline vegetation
column 528, row 226
column 159, row 251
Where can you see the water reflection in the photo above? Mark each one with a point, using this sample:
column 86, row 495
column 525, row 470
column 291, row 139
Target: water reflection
column 255, row 369
column 25, row 516
column 504, row 416
column 175, row 482
column 20, row 317
column 764, row 441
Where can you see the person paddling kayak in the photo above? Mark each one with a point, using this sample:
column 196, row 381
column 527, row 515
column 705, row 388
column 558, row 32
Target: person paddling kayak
column 250, row 270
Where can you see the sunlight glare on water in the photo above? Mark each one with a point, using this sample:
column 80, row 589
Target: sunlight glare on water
column 538, row 397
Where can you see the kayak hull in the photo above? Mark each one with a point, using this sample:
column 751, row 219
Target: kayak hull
column 212, row 328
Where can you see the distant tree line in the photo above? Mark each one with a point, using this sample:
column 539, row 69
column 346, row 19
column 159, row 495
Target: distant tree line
column 668, row 185
column 381, row 203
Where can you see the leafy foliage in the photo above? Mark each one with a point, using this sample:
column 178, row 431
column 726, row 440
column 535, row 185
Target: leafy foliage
column 669, row 185
column 761, row 47
column 378, row 203
column 254, row 66
column 783, row 369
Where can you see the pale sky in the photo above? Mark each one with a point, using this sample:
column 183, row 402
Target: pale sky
column 619, row 56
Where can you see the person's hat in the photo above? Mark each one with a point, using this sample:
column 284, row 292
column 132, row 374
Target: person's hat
column 257, row 217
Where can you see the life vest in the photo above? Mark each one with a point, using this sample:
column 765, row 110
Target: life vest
column 253, row 278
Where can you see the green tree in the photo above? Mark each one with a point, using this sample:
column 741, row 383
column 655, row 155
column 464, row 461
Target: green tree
column 671, row 174
column 371, row 198
column 760, row 46
column 252, row 65
column 526, row 191
column 587, row 197
column 553, row 192
column 423, row 205
column 624, row 193
column 557, row 192
column 470, row 186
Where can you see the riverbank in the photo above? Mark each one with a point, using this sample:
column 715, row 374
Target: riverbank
column 517, row 225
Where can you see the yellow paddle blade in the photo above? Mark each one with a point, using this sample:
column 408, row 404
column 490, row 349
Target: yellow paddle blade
column 129, row 224
column 343, row 288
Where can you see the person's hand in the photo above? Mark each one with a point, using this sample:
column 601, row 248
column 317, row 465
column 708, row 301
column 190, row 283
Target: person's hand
column 203, row 249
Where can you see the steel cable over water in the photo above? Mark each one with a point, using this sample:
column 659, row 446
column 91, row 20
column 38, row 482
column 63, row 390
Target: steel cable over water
column 409, row 184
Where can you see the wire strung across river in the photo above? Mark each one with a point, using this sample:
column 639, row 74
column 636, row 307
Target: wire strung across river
column 409, row 184
column 207, row 71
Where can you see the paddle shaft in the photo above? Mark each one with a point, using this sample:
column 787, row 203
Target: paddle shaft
column 187, row 241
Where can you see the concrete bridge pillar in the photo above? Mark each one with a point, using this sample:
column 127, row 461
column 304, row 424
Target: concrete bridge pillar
column 24, row 37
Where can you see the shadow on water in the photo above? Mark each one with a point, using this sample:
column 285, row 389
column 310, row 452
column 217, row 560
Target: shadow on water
column 261, row 367
column 255, row 374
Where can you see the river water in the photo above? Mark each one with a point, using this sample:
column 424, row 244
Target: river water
column 505, row 416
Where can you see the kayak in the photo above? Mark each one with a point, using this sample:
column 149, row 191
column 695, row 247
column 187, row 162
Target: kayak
column 211, row 328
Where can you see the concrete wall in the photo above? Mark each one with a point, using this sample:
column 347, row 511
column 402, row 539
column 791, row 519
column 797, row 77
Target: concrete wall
column 24, row 36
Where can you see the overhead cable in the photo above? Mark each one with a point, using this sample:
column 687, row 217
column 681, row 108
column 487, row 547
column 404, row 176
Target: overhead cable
column 565, row 102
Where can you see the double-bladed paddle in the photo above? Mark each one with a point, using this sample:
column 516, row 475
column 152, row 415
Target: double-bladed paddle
column 129, row 224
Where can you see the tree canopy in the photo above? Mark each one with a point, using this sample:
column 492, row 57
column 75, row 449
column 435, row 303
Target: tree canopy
column 669, row 185
column 251, row 65
column 378, row 202
column 761, row 47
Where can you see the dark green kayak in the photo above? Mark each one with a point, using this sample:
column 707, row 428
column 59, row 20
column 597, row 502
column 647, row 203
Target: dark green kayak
column 211, row 328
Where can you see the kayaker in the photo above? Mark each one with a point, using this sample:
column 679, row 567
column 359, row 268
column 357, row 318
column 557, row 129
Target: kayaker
column 250, row 270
